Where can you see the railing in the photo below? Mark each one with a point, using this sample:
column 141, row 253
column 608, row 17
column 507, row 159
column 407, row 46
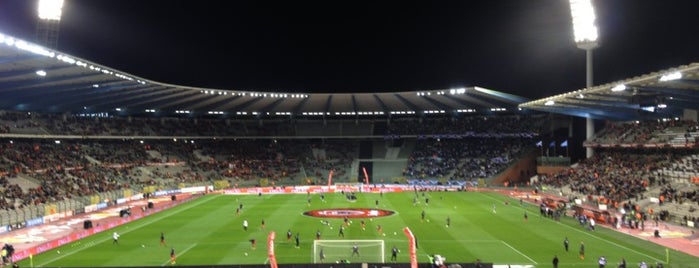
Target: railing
column 21, row 216
column 553, row 161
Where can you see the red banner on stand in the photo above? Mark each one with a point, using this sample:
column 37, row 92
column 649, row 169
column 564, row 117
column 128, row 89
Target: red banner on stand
column 366, row 176
column 330, row 178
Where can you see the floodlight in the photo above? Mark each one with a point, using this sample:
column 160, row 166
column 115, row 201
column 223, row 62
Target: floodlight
column 584, row 27
column 50, row 9
column 671, row 76
column 620, row 87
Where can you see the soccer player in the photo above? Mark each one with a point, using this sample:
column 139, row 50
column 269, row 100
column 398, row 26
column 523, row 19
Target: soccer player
column 622, row 263
column 379, row 229
column 526, row 217
column 162, row 239
column 422, row 215
column 582, row 250
column 245, row 225
column 394, row 254
column 346, row 220
column 377, row 203
column 448, row 221
column 173, row 257
column 355, row 250
column 263, row 224
column 115, row 236
column 318, row 235
column 494, row 211
column 555, row 261
column 237, row 211
column 297, row 240
column 253, row 243
column 363, row 225
column 288, row 235
column 602, row 261
column 321, row 255
column 566, row 243
column 342, row 231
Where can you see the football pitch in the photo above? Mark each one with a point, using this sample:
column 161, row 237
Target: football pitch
column 207, row 231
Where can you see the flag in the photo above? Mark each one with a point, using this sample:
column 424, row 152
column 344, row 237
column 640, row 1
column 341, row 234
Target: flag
column 564, row 143
column 552, row 144
column 539, row 144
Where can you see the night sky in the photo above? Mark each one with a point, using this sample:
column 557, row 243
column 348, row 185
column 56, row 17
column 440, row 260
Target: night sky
column 523, row 47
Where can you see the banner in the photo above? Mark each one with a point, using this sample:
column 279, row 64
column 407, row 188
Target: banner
column 330, row 177
column 270, row 250
column 366, row 176
column 411, row 247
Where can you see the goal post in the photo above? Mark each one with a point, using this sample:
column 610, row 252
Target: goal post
column 336, row 251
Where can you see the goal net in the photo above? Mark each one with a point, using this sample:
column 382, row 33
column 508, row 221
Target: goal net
column 353, row 251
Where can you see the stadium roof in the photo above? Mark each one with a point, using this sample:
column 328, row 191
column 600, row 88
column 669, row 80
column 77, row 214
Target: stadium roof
column 661, row 94
column 35, row 78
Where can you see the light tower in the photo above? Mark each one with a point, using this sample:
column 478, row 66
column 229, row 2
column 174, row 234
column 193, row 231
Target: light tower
column 585, row 32
column 48, row 26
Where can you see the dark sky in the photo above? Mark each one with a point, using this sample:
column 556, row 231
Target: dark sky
column 524, row 47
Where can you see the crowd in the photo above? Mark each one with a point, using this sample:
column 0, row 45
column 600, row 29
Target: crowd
column 63, row 169
column 468, row 158
column 644, row 132
column 622, row 179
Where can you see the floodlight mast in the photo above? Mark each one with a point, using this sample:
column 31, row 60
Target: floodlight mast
column 48, row 26
column 586, row 37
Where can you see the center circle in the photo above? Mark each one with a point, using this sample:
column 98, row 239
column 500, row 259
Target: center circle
column 349, row 213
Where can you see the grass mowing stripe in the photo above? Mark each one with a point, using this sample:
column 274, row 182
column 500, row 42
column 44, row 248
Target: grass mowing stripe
column 593, row 236
column 520, row 253
column 181, row 253
column 151, row 218
column 475, row 233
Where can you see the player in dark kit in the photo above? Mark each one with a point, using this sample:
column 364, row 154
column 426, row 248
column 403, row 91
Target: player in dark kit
column 566, row 243
column 318, row 235
column 297, row 240
column 162, row 239
column 173, row 257
column 394, row 254
column 582, row 250
column 355, row 250
column 288, row 235
column 342, row 231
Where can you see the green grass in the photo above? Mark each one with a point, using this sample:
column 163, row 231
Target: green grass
column 207, row 232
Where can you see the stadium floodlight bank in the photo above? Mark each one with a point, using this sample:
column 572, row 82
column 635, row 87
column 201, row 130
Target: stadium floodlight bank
column 337, row 251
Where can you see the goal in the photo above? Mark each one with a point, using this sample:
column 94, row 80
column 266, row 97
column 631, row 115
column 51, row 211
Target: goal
column 335, row 251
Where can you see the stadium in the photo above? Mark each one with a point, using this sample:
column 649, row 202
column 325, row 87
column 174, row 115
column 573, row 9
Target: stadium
column 103, row 168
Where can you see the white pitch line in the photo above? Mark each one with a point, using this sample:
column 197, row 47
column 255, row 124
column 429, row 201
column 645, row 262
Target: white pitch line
column 151, row 218
column 588, row 234
column 520, row 253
